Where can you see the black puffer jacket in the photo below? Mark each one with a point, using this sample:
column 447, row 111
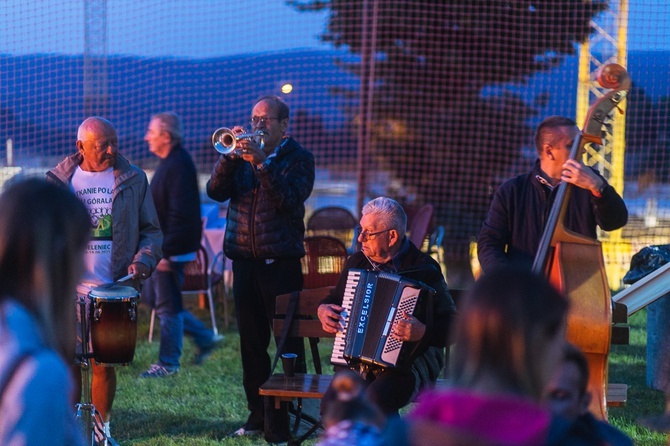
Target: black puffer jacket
column 267, row 207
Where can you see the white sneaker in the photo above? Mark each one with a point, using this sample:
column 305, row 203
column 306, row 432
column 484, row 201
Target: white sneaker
column 243, row 432
column 158, row 371
column 100, row 430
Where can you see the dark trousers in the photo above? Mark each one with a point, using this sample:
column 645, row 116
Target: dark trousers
column 390, row 390
column 256, row 284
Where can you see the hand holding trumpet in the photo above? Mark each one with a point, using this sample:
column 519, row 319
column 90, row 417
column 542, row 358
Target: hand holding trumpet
column 248, row 148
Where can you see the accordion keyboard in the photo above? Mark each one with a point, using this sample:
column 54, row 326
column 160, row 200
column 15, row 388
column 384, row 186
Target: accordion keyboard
column 353, row 279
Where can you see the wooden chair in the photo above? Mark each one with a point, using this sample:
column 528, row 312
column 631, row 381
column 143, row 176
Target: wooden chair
column 305, row 324
column 333, row 221
column 324, row 260
column 419, row 225
column 199, row 278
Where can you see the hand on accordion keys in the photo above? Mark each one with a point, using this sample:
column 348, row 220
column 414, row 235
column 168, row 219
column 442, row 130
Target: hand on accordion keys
column 329, row 315
column 408, row 328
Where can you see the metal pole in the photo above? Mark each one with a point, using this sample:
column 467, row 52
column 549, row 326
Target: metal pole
column 10, row 152
column 368, row 50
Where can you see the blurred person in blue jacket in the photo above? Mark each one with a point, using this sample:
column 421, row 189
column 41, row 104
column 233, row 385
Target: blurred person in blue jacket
column 43, row 232
column 566, row 395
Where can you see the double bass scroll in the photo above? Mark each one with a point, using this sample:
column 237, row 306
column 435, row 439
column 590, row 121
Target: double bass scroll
column 574, row 263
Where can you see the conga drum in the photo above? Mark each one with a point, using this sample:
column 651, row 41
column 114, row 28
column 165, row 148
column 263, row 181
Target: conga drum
column 113, row 324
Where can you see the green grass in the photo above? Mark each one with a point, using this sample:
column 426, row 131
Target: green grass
column 201, row 404
column 628, row 365
column 198, row 406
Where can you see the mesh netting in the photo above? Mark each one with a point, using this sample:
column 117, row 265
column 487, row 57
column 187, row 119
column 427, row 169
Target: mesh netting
column 424, row 101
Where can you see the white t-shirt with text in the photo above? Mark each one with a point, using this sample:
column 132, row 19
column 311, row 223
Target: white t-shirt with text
column 95, row 190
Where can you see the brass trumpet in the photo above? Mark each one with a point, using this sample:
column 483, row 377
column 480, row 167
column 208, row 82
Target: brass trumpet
column 225, row 140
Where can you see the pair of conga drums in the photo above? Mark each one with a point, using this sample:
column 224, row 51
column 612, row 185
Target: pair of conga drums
column 112, row 318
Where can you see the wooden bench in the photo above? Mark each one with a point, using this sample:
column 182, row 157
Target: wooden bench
column 304, row 324
column 617, row 394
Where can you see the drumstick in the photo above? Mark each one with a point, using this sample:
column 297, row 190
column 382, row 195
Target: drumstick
column 124, row 278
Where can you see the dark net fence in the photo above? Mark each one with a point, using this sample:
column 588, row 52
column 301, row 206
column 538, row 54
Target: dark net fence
column 424, row 101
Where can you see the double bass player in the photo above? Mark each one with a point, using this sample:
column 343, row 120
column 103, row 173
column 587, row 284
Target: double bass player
column 552, row 212
column 516, row 219
column 563, row 202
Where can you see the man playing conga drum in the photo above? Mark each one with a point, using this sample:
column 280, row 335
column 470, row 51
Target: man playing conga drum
column 126, row 234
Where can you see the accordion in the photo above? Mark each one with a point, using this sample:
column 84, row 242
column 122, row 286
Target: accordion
column 372, row 302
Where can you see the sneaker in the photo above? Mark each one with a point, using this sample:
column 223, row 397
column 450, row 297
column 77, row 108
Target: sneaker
column 245, row 431
column 106, row 441
column 158, row 371
column 203, row 353
column 102, row 435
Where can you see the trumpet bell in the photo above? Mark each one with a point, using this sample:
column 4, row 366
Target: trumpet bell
column 224, row 140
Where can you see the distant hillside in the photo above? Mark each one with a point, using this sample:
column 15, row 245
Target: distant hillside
column 42, row 95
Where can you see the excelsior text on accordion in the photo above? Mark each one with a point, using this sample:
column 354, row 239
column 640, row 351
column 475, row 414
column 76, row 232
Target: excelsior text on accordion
column 372, row 302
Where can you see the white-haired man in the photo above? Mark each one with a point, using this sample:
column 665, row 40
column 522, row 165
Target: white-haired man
column 384, row 247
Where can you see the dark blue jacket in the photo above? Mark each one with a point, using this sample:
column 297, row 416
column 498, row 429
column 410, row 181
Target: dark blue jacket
column 267, row 207
column 174, row 189
column 514, row 225
column 585, row 430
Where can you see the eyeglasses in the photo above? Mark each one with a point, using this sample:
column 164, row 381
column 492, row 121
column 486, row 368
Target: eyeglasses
column 104, row 144
column 262, row 119
column 365, row 235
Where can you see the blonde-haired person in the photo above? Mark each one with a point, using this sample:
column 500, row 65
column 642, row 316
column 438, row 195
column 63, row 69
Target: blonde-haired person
column 508, row 342
column 43, row 232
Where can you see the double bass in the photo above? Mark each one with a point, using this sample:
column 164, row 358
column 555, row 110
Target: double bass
column 574, row 263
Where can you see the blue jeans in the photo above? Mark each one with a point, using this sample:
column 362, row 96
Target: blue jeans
column 162, row 291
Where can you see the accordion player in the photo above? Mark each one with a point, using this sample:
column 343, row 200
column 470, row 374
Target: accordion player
column 385, row 248
column 366, row 341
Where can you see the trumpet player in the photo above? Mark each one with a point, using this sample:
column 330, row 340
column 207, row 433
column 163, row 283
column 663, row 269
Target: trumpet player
column 267, row 184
